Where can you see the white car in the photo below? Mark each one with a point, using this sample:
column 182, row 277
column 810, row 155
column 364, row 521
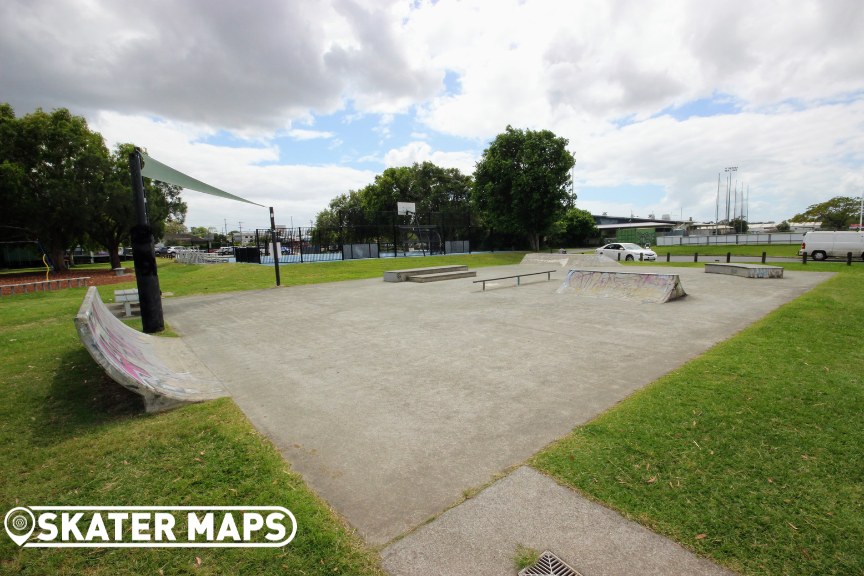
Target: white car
column 626, row 251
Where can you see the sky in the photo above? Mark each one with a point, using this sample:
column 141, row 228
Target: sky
column 291, row 103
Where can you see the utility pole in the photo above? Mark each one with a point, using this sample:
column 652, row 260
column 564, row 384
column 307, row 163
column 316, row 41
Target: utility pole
column 729, row 170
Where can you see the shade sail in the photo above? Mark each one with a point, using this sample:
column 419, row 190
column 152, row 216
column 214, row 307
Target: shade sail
column 156, row 170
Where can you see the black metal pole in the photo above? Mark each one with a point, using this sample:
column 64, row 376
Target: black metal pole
column 144, row 255
column 276, row 251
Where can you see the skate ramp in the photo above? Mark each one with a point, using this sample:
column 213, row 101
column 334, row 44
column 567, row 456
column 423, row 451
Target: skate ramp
column 568, row 260
column 162, row 370
column 647, row 287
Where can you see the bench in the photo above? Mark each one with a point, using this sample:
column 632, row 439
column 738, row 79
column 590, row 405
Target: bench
column 128, row 298
column 518, row 277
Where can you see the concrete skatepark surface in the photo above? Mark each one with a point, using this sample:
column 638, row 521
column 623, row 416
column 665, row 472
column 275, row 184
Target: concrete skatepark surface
column 392, row 399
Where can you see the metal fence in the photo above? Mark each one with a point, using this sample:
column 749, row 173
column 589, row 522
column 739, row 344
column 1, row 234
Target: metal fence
column 425, row 236
column 731, row 239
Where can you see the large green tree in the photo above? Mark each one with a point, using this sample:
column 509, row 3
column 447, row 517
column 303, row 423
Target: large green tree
column 53, row 170
column 574, row 228
column 522, row 182
column 431, row 187
column 114, row 209
column 834, row 214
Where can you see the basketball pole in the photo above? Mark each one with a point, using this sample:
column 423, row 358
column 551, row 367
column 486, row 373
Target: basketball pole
column 275, row 245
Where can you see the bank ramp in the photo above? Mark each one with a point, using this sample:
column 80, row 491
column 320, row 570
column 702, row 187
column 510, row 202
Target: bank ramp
column 636, row 286
column 568, row 260
column 162, row 370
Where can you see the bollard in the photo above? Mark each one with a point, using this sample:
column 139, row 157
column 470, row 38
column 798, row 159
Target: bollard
column 619, row 256
column 642, row 257
column 804, row 258
column 848, row 258
column 668, row 255
column 695, row 257
column 728, row 257
column 763, row 256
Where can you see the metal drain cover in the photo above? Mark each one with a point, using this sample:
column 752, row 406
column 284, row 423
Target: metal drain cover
column 549, row 565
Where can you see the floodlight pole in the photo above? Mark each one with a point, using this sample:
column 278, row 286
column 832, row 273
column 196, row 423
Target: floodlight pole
column 275, row 247
column 144, row 255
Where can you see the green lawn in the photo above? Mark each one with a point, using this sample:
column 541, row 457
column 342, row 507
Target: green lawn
column 753, row 453
column 776, row 250
column 70, row 436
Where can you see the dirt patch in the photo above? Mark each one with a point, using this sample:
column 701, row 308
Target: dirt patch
column 97, row 278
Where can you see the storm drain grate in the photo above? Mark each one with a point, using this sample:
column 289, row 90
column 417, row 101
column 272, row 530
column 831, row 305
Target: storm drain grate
column 549, row 565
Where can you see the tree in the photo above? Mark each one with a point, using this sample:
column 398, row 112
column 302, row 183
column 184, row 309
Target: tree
column 739, row 225
column 574, row 228
column 834, row 214
column 115, row 209
column 53, row 169
column 175, row 227
column 431, row 187
column 783, row 226
column 522, row 182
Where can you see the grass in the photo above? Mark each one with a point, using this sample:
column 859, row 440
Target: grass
column 525, row 556
column 187, row 279
column 753, row 453
column 775, row 250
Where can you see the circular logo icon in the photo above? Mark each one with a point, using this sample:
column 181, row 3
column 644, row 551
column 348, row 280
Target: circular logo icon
column 19, row 523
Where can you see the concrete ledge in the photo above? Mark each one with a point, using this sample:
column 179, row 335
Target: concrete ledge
column 162, row 370
column 438, row 276
column 745, row 270
column 402, row 275
column 568, row 260
column 639, row 286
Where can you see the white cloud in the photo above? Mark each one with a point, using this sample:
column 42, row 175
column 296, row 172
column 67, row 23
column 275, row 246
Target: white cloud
column 420, row 152
column 304, row 134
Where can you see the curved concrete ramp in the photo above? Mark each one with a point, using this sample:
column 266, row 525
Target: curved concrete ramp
column 162, row 370
column 568, row 260
column 637, row 286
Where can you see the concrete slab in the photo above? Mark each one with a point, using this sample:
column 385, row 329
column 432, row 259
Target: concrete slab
column 745, row 270
column 391, row 399
column 479, row 537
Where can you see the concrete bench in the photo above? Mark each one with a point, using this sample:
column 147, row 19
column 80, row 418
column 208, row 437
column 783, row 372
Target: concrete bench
column 437, row 273
column 128, row 298
column 518, row 277
column 162, row 370
column 745, row 270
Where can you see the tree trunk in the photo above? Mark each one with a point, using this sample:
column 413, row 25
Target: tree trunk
column 114, row 254
column 534, row 240
column 57, row 256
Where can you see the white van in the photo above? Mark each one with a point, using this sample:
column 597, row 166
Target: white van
column 820, row 245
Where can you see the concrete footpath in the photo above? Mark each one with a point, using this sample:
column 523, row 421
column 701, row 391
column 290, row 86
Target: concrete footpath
column 392, row 400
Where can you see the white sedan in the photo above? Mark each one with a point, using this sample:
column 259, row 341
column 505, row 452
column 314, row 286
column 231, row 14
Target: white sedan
column 626, row 251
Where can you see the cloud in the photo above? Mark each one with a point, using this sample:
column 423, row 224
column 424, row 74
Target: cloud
column 234, row 65
column 303, row 134
column 420, row 152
